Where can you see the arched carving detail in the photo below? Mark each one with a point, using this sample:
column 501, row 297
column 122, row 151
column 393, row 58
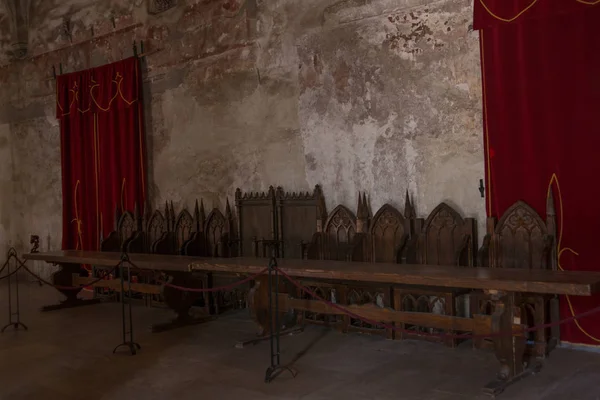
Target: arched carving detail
column 184, row 227
column 155, row 227
column 126, row 227
column 442, row 237
column 388, row 234
column 216, row 232
column 340, row 230
column 521, row 239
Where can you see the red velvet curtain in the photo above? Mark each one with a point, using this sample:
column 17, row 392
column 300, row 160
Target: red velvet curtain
column 541, row 87
column 102, row 149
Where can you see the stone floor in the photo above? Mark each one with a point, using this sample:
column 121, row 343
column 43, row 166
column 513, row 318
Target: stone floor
column 67, row 355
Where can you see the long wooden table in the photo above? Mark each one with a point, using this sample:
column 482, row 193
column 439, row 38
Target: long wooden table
column 501, row 284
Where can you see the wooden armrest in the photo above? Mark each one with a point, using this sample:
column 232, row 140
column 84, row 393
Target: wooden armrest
column 483, row 254
column 462, row 258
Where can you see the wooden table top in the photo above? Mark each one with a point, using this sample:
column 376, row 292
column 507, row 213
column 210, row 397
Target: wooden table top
column 575, row 283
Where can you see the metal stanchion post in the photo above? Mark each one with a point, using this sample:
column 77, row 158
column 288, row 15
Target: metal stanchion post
column 14, row 315
column 133, row 346
column 274, row 325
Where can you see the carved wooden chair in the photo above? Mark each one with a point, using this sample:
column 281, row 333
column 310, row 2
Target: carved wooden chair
column 341, row 240
column 127, row 237
column 521, row 239
column 297, row 217
column 218, row 231
column 165, row 244
column 125, row 229
column 157, row 226
column 445, row 239
column 256, row 224
column 196, row 244
column 388, row 236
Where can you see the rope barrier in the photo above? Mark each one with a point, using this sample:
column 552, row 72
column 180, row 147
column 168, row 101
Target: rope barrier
column 199, row 290
column 439, row 335
column 4, row 266
column 165, row 283
column 216, row 289
column 9, row 274
column 62, row 287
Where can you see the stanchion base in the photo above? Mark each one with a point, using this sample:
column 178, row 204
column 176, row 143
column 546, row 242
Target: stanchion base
column 180, row 323
column 16, row 325
column 498, row 385
column 133, row 347
column 255, row 341
column 71, row 304
column 273, row 372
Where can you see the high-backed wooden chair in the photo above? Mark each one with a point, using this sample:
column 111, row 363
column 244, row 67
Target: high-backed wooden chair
column 391, row 233
column 179, row 231
column 126, row 237
column 218, row 231
column 388, row 236
column 157, row 226
column 445, row 239
column 521, row 239
column 126, row 226
column 196, row 244
column 342, row 238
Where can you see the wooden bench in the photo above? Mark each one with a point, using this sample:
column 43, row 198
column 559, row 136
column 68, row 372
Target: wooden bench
column 503, row 286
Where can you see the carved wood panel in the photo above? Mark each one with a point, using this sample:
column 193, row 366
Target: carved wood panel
column 298, row 215
column 156, row 226
column 340, row 230
column 216, row 231
column 184, row 227
column 444, row 236
column 126, row 226
column 521, row 239
column 256, row 219
column 387, row 235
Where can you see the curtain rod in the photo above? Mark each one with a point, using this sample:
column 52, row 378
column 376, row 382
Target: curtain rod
column 143, row 54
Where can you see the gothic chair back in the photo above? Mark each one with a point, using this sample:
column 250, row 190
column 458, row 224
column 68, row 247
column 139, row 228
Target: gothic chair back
column 156, row 227
column 257, row 222
column 165, row 244
column 339, row 233
column 521, row 239
column 388, row 235
column 217, row 233
column 125, row 229
column 184, row 227
column 446, row 238
column 196, row 244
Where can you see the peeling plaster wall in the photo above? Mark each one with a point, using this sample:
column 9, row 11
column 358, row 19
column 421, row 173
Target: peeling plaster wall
column 373, row 95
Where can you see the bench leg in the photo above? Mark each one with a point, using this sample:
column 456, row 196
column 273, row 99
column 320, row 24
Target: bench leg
column 509, row 349
column 64, row 277
column 181, row 302
column 450, row 309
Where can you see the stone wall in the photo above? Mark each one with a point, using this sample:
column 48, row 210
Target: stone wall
column 373, row 95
